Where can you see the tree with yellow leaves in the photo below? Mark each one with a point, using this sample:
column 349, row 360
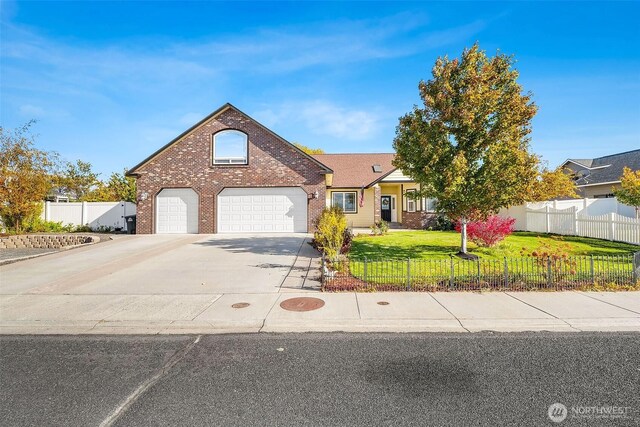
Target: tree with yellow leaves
column 308, row 150
column 26, row 176
column 629, row 192
column 552, row 184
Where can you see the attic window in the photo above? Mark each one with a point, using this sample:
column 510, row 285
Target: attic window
column 230, row 148
column 377, row 168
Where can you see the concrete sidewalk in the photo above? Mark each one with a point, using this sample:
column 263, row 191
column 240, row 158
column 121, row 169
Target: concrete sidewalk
column 349, row 312
column 190, row 284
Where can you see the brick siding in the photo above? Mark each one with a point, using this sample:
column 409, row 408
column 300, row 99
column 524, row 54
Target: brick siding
column 419, row 220
column 377, row 203
column 188, row 164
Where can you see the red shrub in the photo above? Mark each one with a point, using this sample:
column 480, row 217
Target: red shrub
column 489, row 232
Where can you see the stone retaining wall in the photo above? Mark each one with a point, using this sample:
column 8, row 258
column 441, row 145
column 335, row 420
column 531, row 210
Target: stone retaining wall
column 45, row 241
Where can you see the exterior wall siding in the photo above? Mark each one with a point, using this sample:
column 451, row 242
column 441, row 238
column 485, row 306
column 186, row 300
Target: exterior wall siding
column 597, row 190
column 188, row 164
column 364, row 217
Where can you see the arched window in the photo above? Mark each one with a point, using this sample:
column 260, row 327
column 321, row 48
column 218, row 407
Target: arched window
column 230, row 148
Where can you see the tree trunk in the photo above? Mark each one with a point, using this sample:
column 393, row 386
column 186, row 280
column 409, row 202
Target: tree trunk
column 463, row 236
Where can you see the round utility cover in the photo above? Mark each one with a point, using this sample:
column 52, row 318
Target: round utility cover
column 302, row 304
column 240, row 305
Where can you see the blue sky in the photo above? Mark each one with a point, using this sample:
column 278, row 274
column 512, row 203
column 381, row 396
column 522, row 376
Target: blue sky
column 110, row 83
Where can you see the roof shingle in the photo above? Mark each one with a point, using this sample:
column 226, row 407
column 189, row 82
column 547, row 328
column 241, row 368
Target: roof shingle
column 356, row 169
column 614, row 163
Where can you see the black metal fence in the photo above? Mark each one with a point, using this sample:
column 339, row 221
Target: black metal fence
column 519, row 273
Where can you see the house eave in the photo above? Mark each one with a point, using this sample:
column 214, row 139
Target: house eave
column 598, row 183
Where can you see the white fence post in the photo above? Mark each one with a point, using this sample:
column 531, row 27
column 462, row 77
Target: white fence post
column 575, row 221
column 612, row 226
column 548, row 219
column 47, row 210
column 85, row 213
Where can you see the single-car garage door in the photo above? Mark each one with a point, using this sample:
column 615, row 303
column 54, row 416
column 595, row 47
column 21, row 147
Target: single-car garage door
column 177, row 211
column 262, row 210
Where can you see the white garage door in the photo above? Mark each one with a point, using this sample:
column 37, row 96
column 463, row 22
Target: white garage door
column 262, row 210
column 177, row 211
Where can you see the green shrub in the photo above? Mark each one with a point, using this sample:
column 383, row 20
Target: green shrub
column 442, row 223
column 330, row 232
column 82, row 229
column 380, row 228
column 38, row 225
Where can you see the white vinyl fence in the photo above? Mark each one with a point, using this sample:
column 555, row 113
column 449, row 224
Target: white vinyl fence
column 611, row 226
column 94, row 214
column 600, row 218
column 593, row 207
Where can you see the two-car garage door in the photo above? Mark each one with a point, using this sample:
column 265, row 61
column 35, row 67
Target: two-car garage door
column 239, row 210
column 262, row 210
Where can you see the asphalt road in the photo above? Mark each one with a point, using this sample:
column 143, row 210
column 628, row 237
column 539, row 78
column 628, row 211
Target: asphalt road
column 319, row 379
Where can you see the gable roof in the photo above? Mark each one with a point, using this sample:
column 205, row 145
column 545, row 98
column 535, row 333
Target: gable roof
column 606, row 169
column 580, row 162
column 355, row 170
column 225, row 107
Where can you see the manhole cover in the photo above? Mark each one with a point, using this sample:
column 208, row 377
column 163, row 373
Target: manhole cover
column 383, row 303
column 240, row 305
column 302, row 304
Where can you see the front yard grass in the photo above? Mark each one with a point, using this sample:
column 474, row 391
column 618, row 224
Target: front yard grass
column 443, row 244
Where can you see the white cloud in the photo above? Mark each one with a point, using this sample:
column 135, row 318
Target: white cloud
column 292, row 48
column 31, row 111
column 102, row 73
column 325, row 118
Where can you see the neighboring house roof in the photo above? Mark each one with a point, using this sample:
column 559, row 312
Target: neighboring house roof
column 581, row 162
column 357, row 169
column 132, row 171
column 606, row 169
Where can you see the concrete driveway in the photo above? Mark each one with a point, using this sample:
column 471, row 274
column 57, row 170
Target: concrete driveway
column 165, row 264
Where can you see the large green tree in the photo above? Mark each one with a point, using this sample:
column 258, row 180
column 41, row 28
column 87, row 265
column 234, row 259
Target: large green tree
column 468, row 146
column 27, row 174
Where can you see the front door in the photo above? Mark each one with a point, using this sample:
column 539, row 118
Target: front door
column 386, row 208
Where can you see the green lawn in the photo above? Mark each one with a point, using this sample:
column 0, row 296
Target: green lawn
column 441, row 244
column 421, row 260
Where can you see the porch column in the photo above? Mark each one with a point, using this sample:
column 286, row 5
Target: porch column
column 377, row 203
